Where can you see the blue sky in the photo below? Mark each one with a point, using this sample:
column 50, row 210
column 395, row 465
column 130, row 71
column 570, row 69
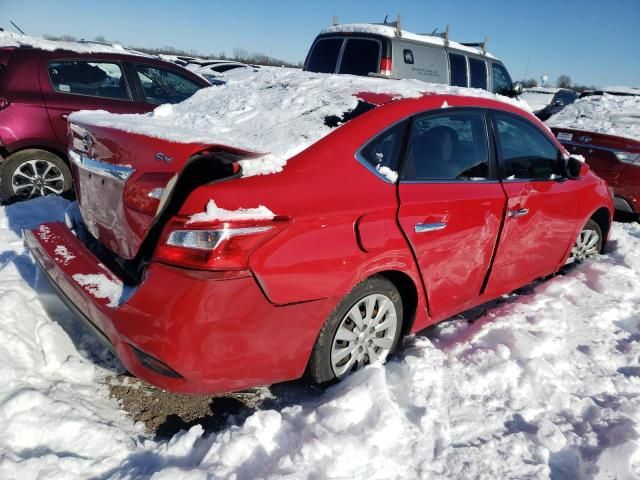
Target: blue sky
column 594, row 42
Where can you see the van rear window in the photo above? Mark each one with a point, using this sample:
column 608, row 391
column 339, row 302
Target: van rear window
column 324, row 56
column 360, row 57
column 458, row 66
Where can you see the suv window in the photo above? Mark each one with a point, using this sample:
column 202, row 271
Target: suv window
column 501, row 80
column 96, row 79
column 448, row 146
column 527, row 153
column 458, row 67
column 324, row 56
column 360, row 57
column 478, row 73
column 164, row 86
column 384, row 150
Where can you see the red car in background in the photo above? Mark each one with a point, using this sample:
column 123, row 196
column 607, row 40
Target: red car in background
column 40, row 88
column 409, row 212
column 613, row 156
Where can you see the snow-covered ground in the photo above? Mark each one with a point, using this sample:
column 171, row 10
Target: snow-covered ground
column 544, row 384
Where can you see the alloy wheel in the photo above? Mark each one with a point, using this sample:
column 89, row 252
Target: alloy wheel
column 37, row 178
column 587, row 245
column 365, row 334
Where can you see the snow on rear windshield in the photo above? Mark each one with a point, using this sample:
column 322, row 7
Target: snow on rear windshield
column 276, row 111
column 609, row 114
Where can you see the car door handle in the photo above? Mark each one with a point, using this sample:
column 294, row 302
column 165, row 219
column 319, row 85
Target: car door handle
column 518, row 213
column 429, row 227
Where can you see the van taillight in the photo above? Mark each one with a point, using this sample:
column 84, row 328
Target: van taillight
column 385, row 66
column 214, row 246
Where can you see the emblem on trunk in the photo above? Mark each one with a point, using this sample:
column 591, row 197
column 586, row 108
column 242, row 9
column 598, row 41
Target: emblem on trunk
column 584, row 139
column 163, row 158
column 87, row 141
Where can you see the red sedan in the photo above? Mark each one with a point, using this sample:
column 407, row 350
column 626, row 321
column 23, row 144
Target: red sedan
column 404, row 212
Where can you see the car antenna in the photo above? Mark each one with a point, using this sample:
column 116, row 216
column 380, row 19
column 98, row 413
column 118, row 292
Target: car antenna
column 17, row 27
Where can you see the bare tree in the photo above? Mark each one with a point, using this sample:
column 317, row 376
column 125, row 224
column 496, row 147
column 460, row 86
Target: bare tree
column 240, row 53
column 530, row 83
column 100, row 38
column 564, row 81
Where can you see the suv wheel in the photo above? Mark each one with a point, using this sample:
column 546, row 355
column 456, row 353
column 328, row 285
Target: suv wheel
column 364, row 328
column 33, row 173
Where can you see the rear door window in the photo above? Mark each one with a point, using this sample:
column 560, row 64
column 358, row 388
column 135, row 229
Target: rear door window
column 95, row 79
column 501, row 80
column 324, row 55
column 383, row 152
column 526, row 152
column 164, row 86
column 458, row 67
column 478, row 73
column 360, row 57
column 448, row 146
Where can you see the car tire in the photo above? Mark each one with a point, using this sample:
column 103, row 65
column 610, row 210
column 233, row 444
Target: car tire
column 33, row 173
column 355, row 324
column 588, row 243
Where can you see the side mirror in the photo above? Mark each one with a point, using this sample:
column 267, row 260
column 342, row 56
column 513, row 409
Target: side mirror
column 517, row 89
column 558, row 103
column 576, row 168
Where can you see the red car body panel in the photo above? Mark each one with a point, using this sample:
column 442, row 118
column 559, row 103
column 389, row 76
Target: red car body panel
column 227, row 330
column 35, row 115
column 597, row 149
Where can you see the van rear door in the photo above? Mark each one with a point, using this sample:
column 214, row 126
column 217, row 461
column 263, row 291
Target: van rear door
column 348, row 54
column 419, row 61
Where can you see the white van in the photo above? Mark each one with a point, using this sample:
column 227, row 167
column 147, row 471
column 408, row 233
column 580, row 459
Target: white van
column 386, row 50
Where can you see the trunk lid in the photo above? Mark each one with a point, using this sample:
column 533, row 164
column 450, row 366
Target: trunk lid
column 125, row 181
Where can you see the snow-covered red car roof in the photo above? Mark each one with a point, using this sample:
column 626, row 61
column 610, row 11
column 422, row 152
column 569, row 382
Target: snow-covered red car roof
column 278, row 111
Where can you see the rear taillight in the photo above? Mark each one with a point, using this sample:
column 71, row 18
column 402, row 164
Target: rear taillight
column 144, row 195
column 385, row 66
column 214, row 246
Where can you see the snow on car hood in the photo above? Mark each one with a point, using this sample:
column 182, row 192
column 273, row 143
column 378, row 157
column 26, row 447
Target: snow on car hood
column 275, row 111
column 609, row 114
column 11, row 39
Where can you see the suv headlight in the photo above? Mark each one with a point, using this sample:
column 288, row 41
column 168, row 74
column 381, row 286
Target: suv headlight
column 626, row 157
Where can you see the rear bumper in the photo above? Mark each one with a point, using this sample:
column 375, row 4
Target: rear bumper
column 216, row 335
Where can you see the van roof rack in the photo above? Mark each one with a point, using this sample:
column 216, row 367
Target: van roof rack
column 395, row 24
column 482, row 45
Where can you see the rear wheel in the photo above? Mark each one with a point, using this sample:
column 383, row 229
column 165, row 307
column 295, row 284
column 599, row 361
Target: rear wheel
column 33, row 173
column 364, row 328
column 588, row 243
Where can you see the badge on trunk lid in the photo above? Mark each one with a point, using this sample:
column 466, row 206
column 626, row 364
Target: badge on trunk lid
column 163, row 158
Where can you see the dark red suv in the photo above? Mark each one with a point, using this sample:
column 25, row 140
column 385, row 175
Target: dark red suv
column 40, row 88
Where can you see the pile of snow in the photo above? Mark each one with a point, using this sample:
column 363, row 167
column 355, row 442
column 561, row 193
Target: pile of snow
column 545, row 384
column 609, row 114
column 215, row 213
column 538, row 97
column 275, row 111
column 11, row 39
column 390, row 32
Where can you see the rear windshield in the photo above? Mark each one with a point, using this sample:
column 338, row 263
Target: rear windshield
column 360, row 57
column 324, row 56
